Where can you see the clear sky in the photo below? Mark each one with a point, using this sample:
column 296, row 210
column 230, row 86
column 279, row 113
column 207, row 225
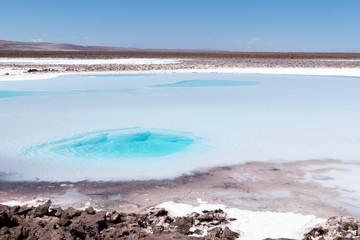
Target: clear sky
column 239, row 25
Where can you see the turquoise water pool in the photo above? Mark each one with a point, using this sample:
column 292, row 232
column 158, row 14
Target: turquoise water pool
column 113, row 146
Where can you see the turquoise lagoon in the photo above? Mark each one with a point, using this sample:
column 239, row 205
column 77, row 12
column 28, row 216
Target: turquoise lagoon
column 112, row 127
column 114, row 146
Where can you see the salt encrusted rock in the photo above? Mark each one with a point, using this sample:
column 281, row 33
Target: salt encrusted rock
column 339, row 227
column 219, row 233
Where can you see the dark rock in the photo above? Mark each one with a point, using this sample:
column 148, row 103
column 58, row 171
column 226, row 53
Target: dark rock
column 32, row 70
column 115, row 217
column 161, row 212
column 219, row 233
column 23, row 210
column 198, row 232
column 335, row 228
column 168, row 220
column 72, row 212
column 40, row 223
column 90, row 210
column 42, row 210
column 64, row 222
column 183, row 225
column 228, row 234
column 7, row 219
column 77, row 232
column 205, row 217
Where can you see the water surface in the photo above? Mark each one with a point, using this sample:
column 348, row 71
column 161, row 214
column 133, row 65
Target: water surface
column 78, row 127
column 114, row 146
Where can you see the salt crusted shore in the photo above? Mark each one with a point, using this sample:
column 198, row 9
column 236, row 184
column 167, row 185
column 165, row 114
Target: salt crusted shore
column 259, row 200
column 29, row 65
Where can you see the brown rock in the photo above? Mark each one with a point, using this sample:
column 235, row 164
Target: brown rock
column 90, row 210
column 183, row 225
column 161, row 212
column 42, row 210
column 335, row 228
column 7, row 219
column 72, row 212
column 219, row 233
column 77, row 232
column 115, row 218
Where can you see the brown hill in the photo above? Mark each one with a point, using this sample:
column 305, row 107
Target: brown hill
column 43, row 46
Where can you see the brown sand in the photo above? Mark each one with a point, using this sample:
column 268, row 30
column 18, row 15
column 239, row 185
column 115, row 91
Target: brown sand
column 256, row 186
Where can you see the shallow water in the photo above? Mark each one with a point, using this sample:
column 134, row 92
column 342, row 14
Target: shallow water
column 206, row 83
column 54, row 129
column 9, row 94
column 113, row 147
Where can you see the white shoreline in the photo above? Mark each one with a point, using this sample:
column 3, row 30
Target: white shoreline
column 273, row 224
column 20, row 75
column 66, row 61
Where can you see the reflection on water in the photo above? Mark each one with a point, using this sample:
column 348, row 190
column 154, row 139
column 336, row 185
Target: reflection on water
column 9, row 94
column 206, row 83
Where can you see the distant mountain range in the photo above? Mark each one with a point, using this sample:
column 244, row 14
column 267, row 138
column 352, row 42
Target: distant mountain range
column 43, row 46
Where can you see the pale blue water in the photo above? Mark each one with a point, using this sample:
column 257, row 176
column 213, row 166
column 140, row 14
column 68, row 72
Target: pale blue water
column 9, row 94
column 187, row 83
column 235, row 118
column 206, row 83
column 120, row 75
column 113, row 146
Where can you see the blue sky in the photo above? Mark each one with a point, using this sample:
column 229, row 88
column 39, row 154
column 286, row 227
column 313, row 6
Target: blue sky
column 238, row 25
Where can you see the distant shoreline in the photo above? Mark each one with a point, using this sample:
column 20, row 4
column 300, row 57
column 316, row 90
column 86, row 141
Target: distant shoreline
column 50, row 64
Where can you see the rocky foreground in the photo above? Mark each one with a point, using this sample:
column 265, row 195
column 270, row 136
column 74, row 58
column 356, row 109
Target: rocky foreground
column 44, row 222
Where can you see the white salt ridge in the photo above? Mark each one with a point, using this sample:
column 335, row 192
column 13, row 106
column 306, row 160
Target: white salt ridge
column 21, row 75
column 34, row 202
column 66, row 61
column 253, row 225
